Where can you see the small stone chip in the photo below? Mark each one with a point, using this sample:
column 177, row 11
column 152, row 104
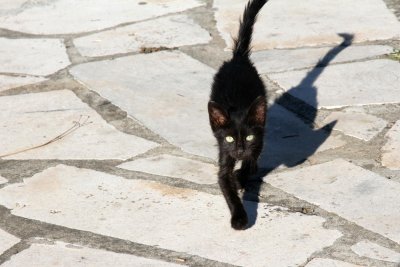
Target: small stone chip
column 148, row 50
column 180, row 260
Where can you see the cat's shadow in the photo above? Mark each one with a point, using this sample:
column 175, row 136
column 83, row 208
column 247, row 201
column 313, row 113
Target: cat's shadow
column 289, row 141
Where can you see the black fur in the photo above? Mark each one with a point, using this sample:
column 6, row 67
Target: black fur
column 237, row 109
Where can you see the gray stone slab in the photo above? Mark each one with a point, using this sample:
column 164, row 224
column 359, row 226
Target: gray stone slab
column 7, row 241
column 178, row 167
column 352, row 84
column 371, row 250
column 166, row 91
column 32, row 56
column 391, row 150
column 172, row 31
column 356, row 123
column 10, row 5
column 66, row 16
column 319, row 262
column 9, row 82
column 172, row 218
column 352, row 192
column 289, row 141
column 65, row 254
column 289, row 24
column 279, row 60
column 3, row 180
column 29, row 120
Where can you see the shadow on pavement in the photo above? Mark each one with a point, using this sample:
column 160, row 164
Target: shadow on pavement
column 288, row 140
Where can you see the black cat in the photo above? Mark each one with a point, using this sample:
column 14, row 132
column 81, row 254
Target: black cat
column 237, row 111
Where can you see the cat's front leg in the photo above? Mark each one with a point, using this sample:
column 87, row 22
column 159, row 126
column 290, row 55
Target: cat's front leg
column 227, row 184
column 248, row 168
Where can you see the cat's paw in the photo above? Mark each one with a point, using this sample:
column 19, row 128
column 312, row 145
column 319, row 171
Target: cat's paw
column 239, row 220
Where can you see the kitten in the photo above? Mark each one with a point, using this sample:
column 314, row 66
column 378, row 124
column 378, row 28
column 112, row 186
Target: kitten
column 237, row 111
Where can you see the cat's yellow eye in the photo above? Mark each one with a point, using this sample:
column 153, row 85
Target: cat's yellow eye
column 250, row 137
column 229, row 139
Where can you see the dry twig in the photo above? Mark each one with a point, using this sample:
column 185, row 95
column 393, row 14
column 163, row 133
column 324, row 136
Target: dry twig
column 76, row 125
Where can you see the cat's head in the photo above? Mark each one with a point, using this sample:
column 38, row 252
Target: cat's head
column 239, row 134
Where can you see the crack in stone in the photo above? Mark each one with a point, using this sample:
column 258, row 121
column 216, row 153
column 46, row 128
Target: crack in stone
column 17, row 248
column 22, row 75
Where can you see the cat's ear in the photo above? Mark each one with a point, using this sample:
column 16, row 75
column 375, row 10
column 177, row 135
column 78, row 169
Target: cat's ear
column 257, row 110
column 217, row 114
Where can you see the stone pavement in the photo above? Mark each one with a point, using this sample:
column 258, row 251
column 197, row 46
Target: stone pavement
column 106, row 156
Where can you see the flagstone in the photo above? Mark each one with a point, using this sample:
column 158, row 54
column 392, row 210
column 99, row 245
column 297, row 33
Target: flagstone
column 319, row 262
column 155, row 214
column 178, row 167
column 290, row 24
column 289, row 141
column 172, row 31
column 7, row 241
column 3, row 180
column 32, row 56
column 9, row 82
column 352, row 84
column 75, row 16
column 357, row 123
column 391, row 150
column 371, row 250
column 278, row 60
column 166, row 91
column 29, row 120
column 65, row 254
column 351, row 192
column 11, row 6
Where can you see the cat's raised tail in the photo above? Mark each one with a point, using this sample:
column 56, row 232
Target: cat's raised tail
column 241, row 46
